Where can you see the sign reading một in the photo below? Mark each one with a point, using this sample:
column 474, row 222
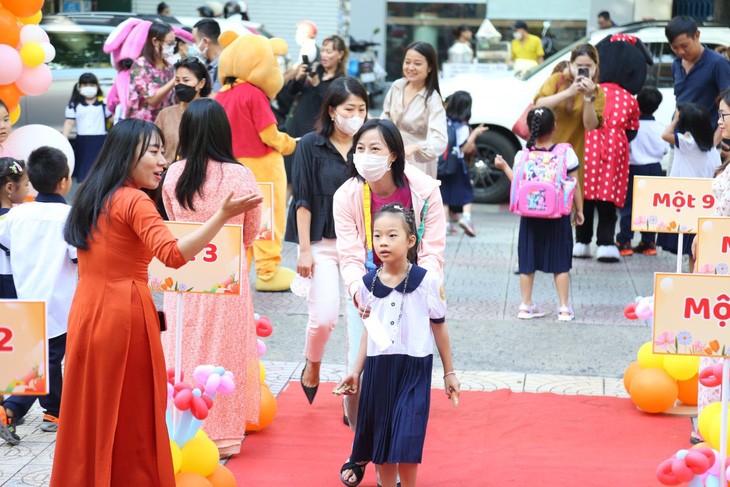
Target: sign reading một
column 215, row 270
column 670, row 205
column 691, row 314
column 23, row 348
column 713, row 245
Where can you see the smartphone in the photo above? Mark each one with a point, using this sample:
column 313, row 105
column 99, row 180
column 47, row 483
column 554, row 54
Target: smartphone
column 584, row 72
column 163, row 321
column 305, row 60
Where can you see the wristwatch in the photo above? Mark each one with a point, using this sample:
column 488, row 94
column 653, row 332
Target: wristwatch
column 590, row 98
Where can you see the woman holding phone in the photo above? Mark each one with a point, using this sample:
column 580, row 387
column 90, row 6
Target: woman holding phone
column 578, row 104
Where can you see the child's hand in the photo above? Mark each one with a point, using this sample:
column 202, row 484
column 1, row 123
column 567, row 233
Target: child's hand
column 578, row 218
column 500, row 163
column 452, row 386
column 480, row 130
column 348, row 386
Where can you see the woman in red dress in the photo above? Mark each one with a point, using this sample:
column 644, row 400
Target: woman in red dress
column 115, row 380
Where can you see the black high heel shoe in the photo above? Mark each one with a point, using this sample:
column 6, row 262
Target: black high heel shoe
column 310, row 392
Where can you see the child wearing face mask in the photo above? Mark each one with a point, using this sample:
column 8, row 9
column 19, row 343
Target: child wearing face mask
column 320, row 168
column 87, row 112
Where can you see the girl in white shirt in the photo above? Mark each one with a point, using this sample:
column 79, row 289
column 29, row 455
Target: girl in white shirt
column 407, row 314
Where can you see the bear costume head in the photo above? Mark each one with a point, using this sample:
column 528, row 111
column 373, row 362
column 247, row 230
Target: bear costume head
column 623, row 60
column 252, row 58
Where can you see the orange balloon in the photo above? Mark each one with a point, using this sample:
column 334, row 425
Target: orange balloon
column 9, row 28
column 629, row 374
column 653, row 390
column 222, row 477
column 187, row 479
column 267, row 412
column 23, row 8
column 688, row 391
column 10, row 95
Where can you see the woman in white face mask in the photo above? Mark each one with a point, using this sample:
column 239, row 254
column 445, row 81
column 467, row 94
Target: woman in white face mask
column 152, row 78
column 320, row 167
column 379, row 176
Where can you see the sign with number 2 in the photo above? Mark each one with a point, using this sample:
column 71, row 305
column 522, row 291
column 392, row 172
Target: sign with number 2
column 215, row 270
column 23, row 348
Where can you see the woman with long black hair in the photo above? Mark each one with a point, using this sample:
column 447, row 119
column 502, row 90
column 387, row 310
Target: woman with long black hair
column 115, row 383
column 206, row 172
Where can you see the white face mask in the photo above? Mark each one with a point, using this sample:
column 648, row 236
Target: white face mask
column 195, row 51
column 348, row 126
column 88, row 91
column 372, row 167
column 517, row 35
column 168, row 52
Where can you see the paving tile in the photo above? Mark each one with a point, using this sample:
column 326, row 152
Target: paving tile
column 35, row 474
column 589, row 386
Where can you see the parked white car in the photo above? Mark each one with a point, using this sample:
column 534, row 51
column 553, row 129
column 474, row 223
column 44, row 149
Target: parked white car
column 499, row 100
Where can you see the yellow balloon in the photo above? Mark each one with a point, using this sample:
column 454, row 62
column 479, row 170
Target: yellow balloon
column 199, row 455
column 648, row 359
column 681, row 367
column 15, row 115
column 704, row 421
column 262, row 372
column 176, row 456
column 201, row 434
column 33, row 19
column 32, row 54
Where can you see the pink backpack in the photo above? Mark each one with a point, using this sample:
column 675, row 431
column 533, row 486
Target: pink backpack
column 541, row 187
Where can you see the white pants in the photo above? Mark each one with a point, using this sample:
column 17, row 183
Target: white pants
column 354, row 335
column 323, row 300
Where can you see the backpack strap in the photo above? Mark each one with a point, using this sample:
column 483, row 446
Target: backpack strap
column 422, row 226
column 517, row 176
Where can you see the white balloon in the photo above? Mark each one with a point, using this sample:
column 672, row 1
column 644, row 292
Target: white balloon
column 49, row 50
column 32, row 33
column 28, row 138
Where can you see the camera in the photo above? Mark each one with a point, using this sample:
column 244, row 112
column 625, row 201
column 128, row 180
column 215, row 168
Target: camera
column 583, row 71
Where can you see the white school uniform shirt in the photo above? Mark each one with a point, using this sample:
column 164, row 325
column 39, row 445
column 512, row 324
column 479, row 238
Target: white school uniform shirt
column 423, row 302
column 648, row 147
column 690, row 161
column 44, row 265
column 90, row 119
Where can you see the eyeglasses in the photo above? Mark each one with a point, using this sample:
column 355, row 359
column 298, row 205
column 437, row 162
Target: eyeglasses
column 722, row 115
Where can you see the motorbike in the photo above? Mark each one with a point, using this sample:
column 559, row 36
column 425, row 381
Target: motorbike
column 366, row 68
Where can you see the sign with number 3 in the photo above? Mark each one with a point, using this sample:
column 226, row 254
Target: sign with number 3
column 215, row 270
column 23, row 348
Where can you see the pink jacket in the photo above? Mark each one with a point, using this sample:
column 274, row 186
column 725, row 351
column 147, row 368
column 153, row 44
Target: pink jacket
column 350, row 226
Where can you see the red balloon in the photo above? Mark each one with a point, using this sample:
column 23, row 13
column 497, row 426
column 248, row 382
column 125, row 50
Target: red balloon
column 630, row 311
column 263, row 327
column 199, row 408
column 10, row 95
column 697, row 461
column 664, row 473
column 681, row 470
column 171, row 374
column 23, row 8
column 9, row 28
column 183, row 398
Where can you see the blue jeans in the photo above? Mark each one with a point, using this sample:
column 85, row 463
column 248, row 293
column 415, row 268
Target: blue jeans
column 625, row 234
column 51, row 403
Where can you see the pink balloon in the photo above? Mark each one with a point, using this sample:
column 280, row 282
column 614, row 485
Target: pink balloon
column 35, row 81
column 202, row 372
column 33, row 33
column 49, row 51
column 681, row 470
column 211, row 385
column 11, row 63
column 227, row 385
column 262, row 348
column 697, row 461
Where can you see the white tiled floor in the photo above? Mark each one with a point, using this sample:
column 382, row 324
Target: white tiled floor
column 29, row 463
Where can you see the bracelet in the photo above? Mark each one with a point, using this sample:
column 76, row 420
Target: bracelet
column 590, row 99
column 453, row 372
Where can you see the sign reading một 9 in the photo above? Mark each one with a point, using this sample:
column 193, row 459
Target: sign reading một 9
column 23, row 348
column 713, row 245
column 670, row 205
column 215, row 270
column 691, row 314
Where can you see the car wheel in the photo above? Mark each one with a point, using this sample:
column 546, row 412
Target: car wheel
column 489, row 183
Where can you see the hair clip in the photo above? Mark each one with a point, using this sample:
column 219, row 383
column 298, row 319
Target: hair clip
column 538, row 111
column 15, row 168
column 399, row 207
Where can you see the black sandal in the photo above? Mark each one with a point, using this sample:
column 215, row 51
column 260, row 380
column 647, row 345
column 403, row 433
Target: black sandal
column 358, row 470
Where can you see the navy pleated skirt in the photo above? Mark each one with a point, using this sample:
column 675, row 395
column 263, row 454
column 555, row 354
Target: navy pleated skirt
column 545, row 244
column 670, row 242
column 395, row 397
column 86, row 150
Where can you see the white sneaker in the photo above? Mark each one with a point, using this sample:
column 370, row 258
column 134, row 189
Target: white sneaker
column 581, row 250
column 607, row 253
column 529, row 312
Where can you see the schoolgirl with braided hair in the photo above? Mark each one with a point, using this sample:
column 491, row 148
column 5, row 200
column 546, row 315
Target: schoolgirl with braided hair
column 13, row 190
column 545, row 244
column 407, row 314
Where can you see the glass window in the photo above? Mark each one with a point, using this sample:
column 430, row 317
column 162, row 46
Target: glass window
column 79, row 50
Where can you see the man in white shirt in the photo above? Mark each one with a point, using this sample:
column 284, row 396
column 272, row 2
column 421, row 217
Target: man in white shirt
column 44, row 268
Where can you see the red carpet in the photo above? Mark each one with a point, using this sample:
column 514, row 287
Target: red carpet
column 495, row 438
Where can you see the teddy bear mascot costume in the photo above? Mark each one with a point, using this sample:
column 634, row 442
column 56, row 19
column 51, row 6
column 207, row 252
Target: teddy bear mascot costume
column 251, row 78
column 623, row 61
